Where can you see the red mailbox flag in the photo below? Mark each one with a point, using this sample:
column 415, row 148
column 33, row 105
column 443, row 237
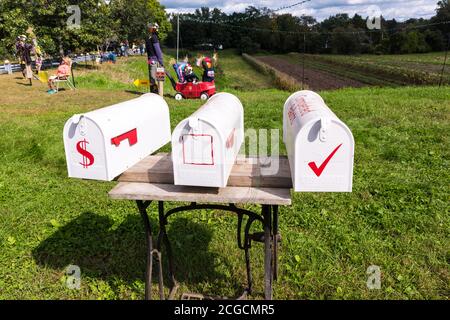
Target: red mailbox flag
column 131, row 136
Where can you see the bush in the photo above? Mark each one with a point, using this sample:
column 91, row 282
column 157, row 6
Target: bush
column 282, row 80
column 246, row 45
column 343, row 42
column 414, row 43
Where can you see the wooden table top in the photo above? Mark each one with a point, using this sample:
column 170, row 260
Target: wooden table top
column 249, row 182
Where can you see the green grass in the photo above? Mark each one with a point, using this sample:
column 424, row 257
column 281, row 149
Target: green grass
column 397, row 216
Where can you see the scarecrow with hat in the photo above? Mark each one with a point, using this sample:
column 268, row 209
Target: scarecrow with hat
column 24, row 50
column 154, row 55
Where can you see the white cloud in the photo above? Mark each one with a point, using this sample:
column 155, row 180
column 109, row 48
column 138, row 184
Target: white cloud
column 320, row 9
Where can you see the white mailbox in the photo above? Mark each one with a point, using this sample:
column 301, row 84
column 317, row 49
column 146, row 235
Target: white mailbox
column 205, row 145
column 320, row 147
column 102, row 144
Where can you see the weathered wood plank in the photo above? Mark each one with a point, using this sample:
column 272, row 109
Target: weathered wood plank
column 247, row 172
column 169, row 192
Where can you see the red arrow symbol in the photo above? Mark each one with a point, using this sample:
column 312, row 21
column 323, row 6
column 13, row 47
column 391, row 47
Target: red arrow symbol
column 319, row 171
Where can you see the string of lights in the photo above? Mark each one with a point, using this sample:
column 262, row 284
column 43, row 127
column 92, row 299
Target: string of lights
column 270, row 11
column 226, row 24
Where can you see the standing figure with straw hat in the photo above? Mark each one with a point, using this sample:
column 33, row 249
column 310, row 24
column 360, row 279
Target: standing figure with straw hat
column 24, row 50
column 154, row 55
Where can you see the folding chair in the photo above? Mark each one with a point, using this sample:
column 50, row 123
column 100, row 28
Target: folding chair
column 66, row 79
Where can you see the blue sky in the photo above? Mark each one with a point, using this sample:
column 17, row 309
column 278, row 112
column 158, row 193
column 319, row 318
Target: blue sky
column 320, row 9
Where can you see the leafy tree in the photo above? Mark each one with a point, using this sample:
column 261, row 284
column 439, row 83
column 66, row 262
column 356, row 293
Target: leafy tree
column 442, row 15
column 101, row 23
column 134, row 17
column 414, row 42
column 344, row 41
column 105, row 25
column 12, row 23
column 435, row 39
column 248, row 46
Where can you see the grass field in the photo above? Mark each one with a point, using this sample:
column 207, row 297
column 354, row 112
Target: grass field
column 397, row 216
column 372, row 70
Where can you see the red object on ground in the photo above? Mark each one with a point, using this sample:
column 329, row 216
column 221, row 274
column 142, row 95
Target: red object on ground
column 190, row 90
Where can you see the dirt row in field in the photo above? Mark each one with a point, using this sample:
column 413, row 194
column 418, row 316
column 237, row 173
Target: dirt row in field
column 315, row 79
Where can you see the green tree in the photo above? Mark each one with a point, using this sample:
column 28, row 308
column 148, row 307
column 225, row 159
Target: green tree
column 443, row 15
column 12, row 23
column 134, row 15
column 344, row 41
column 414, row 42
column 101, row 23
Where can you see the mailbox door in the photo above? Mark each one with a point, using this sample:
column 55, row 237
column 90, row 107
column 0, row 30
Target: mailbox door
column 324, row 166
column 85, row 150
column 126, row 147
column 197, row 156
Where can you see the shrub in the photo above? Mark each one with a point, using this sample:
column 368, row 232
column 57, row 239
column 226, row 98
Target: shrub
column 246, row 45
column 282, row 80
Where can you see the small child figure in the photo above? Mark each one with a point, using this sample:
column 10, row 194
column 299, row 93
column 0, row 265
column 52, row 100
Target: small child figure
column 190, row 76
column 208, row 70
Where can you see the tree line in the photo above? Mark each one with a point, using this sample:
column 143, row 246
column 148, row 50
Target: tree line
column 262, row 29
column 103, row 24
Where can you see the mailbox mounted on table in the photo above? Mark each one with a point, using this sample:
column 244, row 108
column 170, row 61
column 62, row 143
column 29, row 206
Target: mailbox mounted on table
column 205, row 145
column 102, row 144
column 320, row 146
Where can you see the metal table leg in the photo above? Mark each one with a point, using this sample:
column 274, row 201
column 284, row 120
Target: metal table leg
column 268, row 272
column 163, row 237
column 143, row 205
column 247, row 246
column 275, row 242
column 269, row 237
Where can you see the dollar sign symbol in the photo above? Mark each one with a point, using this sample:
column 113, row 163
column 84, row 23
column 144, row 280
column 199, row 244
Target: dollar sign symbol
column 88, row 158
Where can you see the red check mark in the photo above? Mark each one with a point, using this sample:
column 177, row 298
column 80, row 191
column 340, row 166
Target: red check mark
column 319, row 171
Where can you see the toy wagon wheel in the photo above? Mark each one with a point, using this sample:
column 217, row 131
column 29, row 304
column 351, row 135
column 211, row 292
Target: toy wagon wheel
column 178, row 96
column 204, row 96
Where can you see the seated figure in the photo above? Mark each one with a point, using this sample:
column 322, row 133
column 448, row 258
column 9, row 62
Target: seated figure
column 62, row 73
column 189, row 74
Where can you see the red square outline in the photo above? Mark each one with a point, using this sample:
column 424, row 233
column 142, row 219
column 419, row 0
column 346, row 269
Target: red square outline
column 212, row 150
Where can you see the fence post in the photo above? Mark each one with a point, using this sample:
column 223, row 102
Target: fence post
column 304, row 53
column 445, row 60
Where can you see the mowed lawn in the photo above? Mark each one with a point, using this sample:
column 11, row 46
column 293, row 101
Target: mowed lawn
column 396, row 218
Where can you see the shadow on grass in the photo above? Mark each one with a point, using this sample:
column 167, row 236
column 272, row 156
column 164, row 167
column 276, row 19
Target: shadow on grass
column 138, row 93
column 24, row 84
column 85, row 67
column 110, row 252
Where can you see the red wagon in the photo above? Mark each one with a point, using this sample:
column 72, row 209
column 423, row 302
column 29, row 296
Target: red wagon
column 191, row 90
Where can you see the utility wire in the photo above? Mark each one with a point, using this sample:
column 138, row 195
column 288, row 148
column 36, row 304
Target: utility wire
column 246, row 18
column 290, row 6
column 399, row 28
